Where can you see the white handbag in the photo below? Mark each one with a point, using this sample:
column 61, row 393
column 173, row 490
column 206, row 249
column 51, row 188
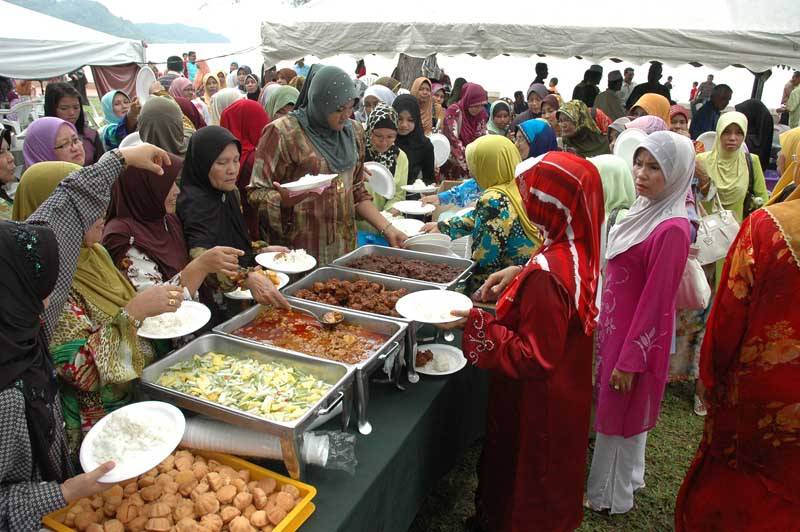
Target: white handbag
column 694, row 292
column 716, row 233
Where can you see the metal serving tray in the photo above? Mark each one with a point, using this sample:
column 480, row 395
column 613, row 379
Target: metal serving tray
column 290, row 433
column 390, row 282
column 463, row 265
column 392, row 349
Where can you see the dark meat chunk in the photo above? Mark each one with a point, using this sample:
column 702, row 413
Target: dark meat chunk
column 360, row 295
column 408, row 268
column 424, row 356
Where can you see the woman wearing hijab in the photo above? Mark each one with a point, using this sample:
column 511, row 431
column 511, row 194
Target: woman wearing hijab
column 536, row 95
column 52, row 139
column 499, row 118
column 7, row 169
column 162, row 124
column 181, row 88
column 651, row 104
column 540, row 369
column 252, row 87
column 412, row 140
column 246, row 119
column 285, row 75
column 550, row 107
column 463, row 123
column 221, row 101
column 221, row 77
column 211, row 214
column 390, row 83
column 61, row 100
column 210, row 87
column 281, row 101
column 788, row 167
column 579, row 130
column 746, row 473
column 646, row 255
column 648, row 124
column 760, row 129
column 618, row 193
column 430, row 111
column 200, row 77
column 377, row 94
column 318, row 137
column 381, row 147
column 121, row 115
column 241, row 76
column 501, row 233
column 297, row 82
column 617, row 126
column 455, row 94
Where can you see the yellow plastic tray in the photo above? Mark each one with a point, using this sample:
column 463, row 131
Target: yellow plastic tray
column 290, row 523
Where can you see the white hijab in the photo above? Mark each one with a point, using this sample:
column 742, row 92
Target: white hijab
column 221, row 101
column 382, row 93
column 675, row 155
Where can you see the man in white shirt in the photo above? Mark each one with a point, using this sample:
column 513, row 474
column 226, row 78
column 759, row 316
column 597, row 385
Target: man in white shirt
column 627, row 86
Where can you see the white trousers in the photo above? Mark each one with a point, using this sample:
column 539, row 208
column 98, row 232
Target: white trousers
column 617, row 471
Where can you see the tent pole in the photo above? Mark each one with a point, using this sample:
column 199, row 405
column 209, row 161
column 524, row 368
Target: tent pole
column 759, row 78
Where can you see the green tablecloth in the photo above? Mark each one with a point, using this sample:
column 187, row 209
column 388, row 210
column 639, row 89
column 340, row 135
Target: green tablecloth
column 418, row 435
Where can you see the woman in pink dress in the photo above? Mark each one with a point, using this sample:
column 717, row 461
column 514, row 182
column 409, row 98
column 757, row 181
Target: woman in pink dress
column 646, row 256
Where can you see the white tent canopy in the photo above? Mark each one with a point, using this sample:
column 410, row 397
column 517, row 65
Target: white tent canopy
column 716, row 33
column 37, row 46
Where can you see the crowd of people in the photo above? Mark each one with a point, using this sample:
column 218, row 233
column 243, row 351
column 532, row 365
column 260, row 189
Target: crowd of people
column 582, row 252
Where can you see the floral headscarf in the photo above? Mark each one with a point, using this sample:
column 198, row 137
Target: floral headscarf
column 382, row 116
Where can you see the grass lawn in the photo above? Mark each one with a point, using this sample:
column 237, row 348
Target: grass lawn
column 670, row 449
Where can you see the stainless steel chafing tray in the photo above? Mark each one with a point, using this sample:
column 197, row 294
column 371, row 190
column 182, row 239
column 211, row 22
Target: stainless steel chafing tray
column 391, row 283
column 339, row 376
column 464, row 266
column 393, row 348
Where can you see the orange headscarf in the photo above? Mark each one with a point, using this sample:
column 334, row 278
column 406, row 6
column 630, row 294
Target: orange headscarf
column 426, row 107
column 202, row 70
column 655, row 105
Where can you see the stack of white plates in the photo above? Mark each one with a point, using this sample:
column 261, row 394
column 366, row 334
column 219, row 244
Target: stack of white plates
column 435, row 243
column 462, row 247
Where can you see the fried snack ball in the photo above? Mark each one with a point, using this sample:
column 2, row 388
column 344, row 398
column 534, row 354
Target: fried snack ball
column 200, row 470
column 242, row 500
column 94, row 527
column 170, row 499
column 226, row 494
column 275, row 514
column 240, row 524
column 160, row 509
column 184, row 476
column 240, row 484
column 130, row 489
column 183, row 453
column 172, row 487
column 202, row 487
column 97, row 502
column 138, row 524
column 268, row 485
column 186, row 524
column 207, row 503
column 113, row 525
column 285, row 501
column 114, row 491
column 166, row 464
column 247, row 512
column 229, row 513
column 184, row 463
column 145, row 481
column 84, row 519
column 136, row 500
column 212, row 522
column 183, row 509
column 259, row 519
column 164, row 479
column 187, row 488
column 158, row 524
column 291, row 490
column 244, row 474
column 252, row 485
column 228, row 471
column 259, row 498
column 216, row 481
column 127, row 512
column 151, row 493
column 213, row 465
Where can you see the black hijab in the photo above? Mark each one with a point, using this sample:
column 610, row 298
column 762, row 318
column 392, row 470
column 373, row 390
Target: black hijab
column 415, row 145
column 5, row 135
column 29, row 262
column 760, row 128
column 210, row 217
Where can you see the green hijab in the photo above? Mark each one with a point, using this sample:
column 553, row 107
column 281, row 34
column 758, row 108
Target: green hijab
column 329, row 89
column 36, row 185
column 618, row 192
column 588, row 141
column 280, row 98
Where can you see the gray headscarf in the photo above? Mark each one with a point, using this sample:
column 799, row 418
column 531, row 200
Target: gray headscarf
column 329, row 89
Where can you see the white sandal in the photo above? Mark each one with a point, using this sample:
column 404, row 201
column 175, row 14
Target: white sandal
column 699, row 407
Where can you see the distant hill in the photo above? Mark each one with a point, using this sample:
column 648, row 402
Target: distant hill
column 96, row 16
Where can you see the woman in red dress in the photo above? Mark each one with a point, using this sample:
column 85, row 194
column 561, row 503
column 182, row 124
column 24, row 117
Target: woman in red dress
column 746, row 475
column 539, row 353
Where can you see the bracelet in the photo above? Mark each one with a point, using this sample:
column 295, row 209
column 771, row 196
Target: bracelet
column 385, row 227
column 136, row 323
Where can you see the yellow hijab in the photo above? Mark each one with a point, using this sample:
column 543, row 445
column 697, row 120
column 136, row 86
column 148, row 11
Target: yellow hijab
column 655, row 105
column 206, row 96
column 727, row 169
column 36, row 185
column 790, row 146
column 96, row 277
column 492, row 159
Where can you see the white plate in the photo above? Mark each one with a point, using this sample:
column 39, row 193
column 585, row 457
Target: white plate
column 309, row 182
column 708, row 139
column 408, row 226
column 432, row 248
column 144, row 80
column 192, row 314
column 381, row 181
column 456, row 356
column 427, row 189
column 414, row 207
column 430, row 238
column 441, row 148
column 432, row 306
column 268, row 261
column 131, row 140
column 627, row 143
column 245, row 294
column 140, row 461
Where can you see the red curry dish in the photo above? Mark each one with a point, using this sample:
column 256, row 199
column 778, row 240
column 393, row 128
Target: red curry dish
column 348, row 342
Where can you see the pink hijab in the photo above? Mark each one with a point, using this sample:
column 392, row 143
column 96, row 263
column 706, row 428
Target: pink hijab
column 472, row 127
column 177, row 87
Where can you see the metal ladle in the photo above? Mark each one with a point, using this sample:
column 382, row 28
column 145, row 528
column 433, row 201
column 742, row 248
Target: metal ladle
column 329, row 319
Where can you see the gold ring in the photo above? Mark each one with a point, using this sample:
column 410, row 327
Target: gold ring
column 616, row 388
column 171, row 302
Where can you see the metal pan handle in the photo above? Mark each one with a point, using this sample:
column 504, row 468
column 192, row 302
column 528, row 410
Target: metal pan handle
column 327, row 410
column 395, row 348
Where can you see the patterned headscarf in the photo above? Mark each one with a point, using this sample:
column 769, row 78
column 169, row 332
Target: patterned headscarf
column 563, row 196
column 382, row 116
column 588, row 141
column 648, row 124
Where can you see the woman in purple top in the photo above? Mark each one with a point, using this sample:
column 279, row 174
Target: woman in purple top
column 646, row 255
